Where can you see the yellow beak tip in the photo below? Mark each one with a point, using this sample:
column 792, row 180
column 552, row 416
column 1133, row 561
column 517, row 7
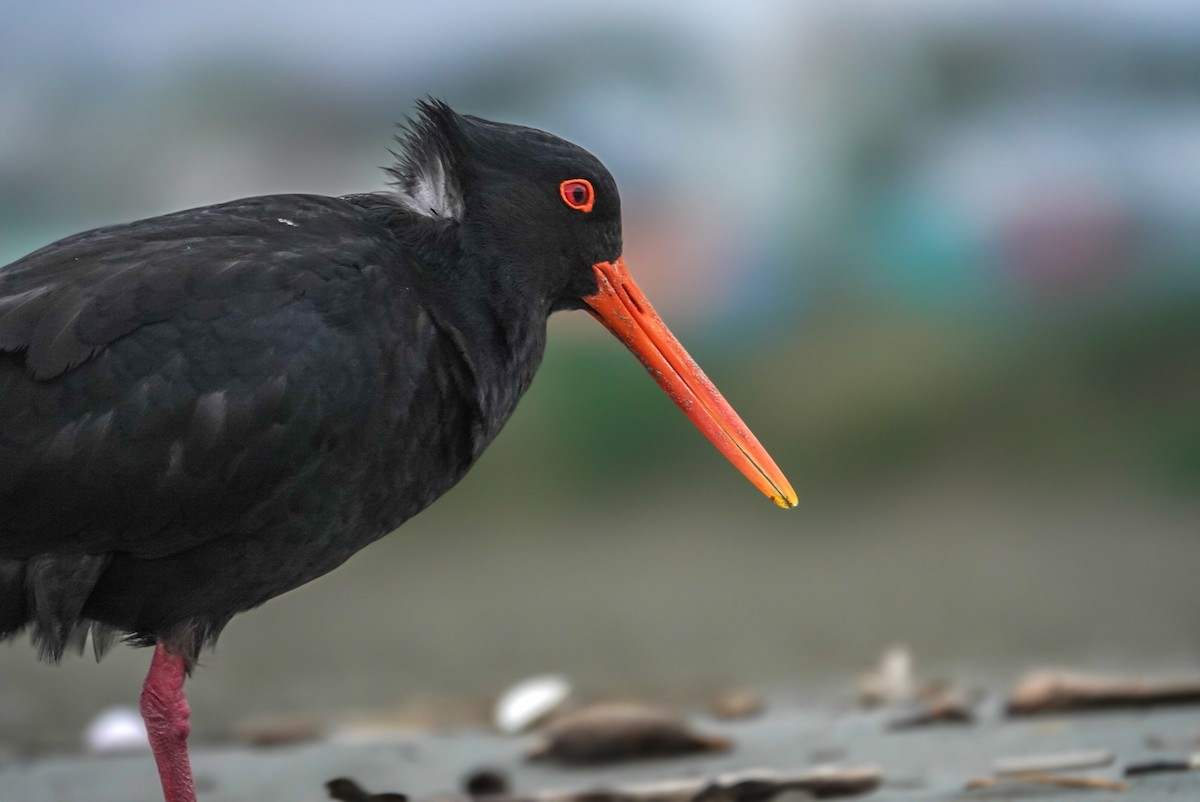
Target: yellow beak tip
column 786, row 502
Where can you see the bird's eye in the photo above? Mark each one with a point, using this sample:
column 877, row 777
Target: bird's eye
column 578, row 194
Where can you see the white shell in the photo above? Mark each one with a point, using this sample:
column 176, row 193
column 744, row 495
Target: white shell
column 530, row 701
column 117, row 729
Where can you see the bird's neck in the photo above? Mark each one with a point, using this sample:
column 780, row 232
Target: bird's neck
column 500, row 330
column 479, row 301
column 515, row 342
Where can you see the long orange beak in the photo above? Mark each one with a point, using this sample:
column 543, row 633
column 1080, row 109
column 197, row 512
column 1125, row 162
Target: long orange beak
column 624, row 311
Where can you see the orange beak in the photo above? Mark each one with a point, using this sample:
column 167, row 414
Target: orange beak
column 624, row 311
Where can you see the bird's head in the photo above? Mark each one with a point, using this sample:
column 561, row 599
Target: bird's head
column 544, row 208
column 549, row 212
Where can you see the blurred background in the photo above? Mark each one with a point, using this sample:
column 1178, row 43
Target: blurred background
column 944, row 258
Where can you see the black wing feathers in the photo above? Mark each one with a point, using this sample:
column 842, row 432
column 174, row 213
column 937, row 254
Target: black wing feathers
column 167, row 379
column 63, row 303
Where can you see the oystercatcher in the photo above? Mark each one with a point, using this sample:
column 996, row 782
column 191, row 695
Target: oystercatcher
column 204, row 410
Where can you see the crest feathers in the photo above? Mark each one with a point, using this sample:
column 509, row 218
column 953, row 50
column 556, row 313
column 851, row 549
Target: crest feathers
column 427, row 174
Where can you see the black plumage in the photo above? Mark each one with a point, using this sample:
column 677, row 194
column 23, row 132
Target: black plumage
column 203, row 410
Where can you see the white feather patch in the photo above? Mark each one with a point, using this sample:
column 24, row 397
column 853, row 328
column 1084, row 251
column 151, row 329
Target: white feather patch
column 429, row 190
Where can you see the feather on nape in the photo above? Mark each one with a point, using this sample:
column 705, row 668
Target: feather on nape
column 427, row 173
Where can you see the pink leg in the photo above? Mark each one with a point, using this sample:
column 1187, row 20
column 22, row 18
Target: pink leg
column 165, row 711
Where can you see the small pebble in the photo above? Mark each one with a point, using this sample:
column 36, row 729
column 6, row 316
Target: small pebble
column 486, row 782
column 612, row 732
column 347, row 790
column 737, row 704
column 529, row 702
column 117, row 729
column 1164, row 766
column 277, row 730
column 891, row 682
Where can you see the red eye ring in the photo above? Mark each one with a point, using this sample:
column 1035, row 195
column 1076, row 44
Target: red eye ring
column 578, row 194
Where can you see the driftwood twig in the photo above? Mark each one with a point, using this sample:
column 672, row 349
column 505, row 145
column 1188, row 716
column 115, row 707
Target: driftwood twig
column 1054, row 762
column 1096, row 783
column 1046, row 691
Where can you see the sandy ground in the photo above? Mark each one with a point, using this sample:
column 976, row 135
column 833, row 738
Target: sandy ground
column 930, row 764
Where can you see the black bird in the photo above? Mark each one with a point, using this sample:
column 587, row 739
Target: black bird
column 201, row 411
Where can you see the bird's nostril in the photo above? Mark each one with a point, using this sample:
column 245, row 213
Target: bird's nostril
column 632, row 300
